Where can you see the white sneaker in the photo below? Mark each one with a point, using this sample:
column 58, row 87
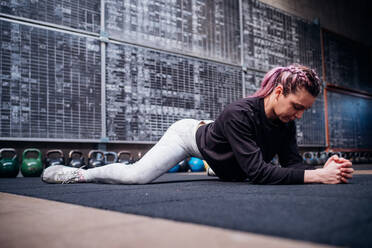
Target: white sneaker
column 62, row 174
column 210, row 172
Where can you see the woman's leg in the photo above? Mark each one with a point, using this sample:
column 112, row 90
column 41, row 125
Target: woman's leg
column 177, row 143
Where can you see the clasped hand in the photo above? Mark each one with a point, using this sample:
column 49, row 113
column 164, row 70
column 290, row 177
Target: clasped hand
column 337, row 170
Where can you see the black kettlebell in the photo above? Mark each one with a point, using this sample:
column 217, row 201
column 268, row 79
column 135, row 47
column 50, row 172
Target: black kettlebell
column 184, row 165
column 363, row 157
column 317, row 159
column 308, row 158
column 125, row 157
column 323, row 157
column 357, row 157
column 96, row 158
column 275, row 160
column 113, row 155
column 75, row 159
column 369, row 157
column 343, row 154
column 346, row 155
column 349, row 156
column 139, row 156
column 331, row 153
column 57, row 159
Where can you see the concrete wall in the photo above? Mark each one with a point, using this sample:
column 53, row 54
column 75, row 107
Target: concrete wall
column 351, row 18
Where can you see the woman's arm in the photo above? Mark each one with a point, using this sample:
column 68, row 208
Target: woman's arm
column 289, row 156
column 335, row 170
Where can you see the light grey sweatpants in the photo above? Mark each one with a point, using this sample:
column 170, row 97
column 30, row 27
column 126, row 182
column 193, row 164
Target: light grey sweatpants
column 178, row 143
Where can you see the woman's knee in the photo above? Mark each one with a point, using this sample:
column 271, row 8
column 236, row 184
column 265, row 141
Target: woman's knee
column 142, row 180
column 136, row 177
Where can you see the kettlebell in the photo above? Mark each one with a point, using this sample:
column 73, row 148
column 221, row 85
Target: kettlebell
column 363, row 158
column 58, row 159
column 357, row 157
column 96, row 158
column 75, row 159
column 369, row 157
column 346, row 155
column 275, row 160
column 113, row 155
column 139, row 156
column 319, row 159
column 9, row 166
column 353, row 157
column 330, row 154
column 125, row 157
column 308, row 158
column 196, row 164
column 31, row 167
column 343, row 154
column 184, row 166
column 349, row 156
column 323, row 157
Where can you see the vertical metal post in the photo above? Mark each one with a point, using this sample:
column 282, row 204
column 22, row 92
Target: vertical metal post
column 103, row 73
column 241, row 46
column 324, row 91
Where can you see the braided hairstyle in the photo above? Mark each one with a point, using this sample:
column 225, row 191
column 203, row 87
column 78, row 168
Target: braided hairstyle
column 291, row 78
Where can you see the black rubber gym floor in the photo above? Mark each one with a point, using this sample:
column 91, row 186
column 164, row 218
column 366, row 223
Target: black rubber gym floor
column 329, row 214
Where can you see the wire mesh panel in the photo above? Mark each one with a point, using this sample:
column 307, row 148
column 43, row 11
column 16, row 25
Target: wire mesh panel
column 347, row 63
column 198, row 27
column 148, row 90
column 273, row 38
column 80, row 14
column 349, row 119
column 50, row 84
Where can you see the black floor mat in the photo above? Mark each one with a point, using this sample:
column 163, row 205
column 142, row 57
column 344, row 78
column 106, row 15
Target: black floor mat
column 329, row 214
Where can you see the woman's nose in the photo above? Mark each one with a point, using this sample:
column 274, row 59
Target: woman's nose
column 299, row 114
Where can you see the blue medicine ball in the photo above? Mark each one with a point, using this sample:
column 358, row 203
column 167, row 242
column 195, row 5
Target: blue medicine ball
column 196, row 164
column 175, row 168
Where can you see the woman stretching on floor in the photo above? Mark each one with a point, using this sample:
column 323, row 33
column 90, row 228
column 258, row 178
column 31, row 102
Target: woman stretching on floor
column 238, row 145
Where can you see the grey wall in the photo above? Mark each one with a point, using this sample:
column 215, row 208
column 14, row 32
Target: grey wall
column 346, row 17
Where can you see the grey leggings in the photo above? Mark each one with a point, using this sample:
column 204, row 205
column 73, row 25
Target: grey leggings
column 178, row 143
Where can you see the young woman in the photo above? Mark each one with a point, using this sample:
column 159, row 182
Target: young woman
column 238, row 145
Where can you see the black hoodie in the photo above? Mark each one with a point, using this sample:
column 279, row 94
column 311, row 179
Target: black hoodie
column 242, row 141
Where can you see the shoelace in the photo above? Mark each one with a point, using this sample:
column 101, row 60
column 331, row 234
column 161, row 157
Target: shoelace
column 74, row 175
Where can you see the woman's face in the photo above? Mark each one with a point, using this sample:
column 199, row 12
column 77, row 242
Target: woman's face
column 292, row 106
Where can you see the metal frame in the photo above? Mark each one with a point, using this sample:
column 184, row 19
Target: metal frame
column 103, row 74
column 56, row 28
column 105, row 39
column 47, row 25
column 2, row 139
column 241, row 45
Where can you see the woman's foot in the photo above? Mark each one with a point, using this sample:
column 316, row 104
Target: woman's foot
column 210, row 172
column 63, row 174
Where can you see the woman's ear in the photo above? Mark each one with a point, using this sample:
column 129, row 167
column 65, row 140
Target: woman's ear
column 278, row 91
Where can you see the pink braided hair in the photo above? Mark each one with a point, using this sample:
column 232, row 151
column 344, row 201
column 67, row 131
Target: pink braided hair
column 291, row 77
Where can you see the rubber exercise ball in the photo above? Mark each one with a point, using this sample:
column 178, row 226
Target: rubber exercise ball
column 174, row 168
column 196, row 164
